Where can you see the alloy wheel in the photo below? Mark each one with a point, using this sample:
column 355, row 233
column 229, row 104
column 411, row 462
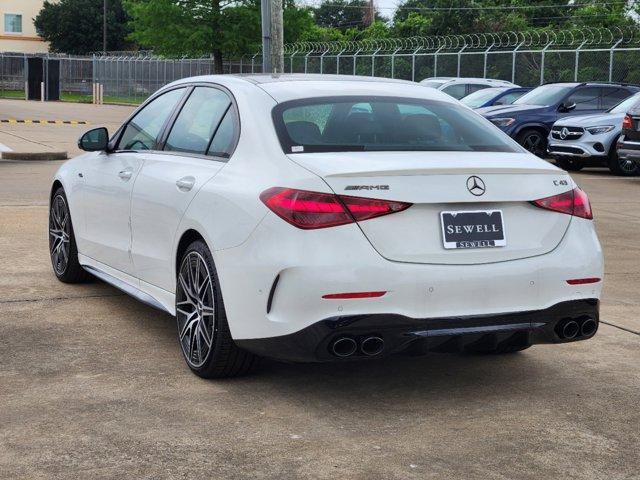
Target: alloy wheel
column 195, row 309
column 627, row 166
column 59, row 234
column 534, row 143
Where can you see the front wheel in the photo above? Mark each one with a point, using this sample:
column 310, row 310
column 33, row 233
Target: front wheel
column 568, row 164
column 534, row 141
column 619, row 166
column 203, row 331
column 62, row 243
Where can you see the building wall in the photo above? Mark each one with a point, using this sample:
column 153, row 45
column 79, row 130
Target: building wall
column 28, row 40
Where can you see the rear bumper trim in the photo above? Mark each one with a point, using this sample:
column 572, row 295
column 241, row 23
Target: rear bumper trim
column 421, row 335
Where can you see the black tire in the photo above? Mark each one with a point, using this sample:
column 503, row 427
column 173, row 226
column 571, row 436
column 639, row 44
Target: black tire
column 534, row 141
column 62, row 242
column 568, row 164
column 622, row 168
column 208, row 321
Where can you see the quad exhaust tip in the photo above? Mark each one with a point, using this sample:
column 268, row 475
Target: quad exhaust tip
column 344, row 347
column 570, row 329
column 589, row 327
column 371, row 346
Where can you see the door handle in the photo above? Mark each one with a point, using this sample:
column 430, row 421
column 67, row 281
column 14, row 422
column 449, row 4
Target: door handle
column 186, row 183
column 125, row 174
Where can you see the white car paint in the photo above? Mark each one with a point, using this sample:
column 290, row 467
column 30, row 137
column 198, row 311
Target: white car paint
column 130, row 228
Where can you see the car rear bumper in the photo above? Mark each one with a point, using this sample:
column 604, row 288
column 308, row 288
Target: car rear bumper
column 401, row 334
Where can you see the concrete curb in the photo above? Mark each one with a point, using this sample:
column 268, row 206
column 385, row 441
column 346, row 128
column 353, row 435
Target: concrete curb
column 41, row 156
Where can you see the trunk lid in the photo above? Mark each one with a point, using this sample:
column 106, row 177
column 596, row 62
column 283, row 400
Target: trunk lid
column 436, row 182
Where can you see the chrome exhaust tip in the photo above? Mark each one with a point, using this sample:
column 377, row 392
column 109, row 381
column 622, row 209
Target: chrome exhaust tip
column 570, row 329
column 589, row 327
column 344, row 347
column 371, row 346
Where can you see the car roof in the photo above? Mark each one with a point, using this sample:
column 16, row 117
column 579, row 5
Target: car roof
column 285, row 87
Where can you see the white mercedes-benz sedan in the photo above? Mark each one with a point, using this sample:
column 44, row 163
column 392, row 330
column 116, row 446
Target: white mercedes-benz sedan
column 318, row 218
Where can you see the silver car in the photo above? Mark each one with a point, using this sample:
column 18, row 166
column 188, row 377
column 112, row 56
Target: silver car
column 460, row 87
column 590, row 140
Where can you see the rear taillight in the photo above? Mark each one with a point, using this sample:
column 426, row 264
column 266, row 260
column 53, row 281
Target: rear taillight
column 310, row 210
column 574, row 202
column 627, row 122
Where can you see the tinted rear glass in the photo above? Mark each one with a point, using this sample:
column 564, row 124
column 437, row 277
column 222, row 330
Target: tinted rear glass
column 339, row 124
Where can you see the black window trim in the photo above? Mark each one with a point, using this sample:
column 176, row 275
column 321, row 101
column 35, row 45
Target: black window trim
column 169, row 123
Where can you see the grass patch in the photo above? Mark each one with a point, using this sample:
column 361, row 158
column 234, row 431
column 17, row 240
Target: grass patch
column 16, row 94
column 108, row 99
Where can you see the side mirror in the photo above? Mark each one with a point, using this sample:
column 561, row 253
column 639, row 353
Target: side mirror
column 95, row 140
column 567, row 107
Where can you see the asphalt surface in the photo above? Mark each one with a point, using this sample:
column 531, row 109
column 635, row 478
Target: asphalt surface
column 92, row 384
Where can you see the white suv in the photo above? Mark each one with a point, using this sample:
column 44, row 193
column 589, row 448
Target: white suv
column 459, row 87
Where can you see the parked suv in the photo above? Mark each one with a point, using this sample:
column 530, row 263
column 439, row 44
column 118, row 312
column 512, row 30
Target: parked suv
column 628, row 147
column 530, row 118
column 590, row 140
column 459, row 87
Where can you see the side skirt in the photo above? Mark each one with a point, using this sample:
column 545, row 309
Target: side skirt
column 125, row 287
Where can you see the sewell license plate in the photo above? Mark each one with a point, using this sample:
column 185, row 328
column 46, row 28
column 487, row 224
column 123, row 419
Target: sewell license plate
column 473, row 229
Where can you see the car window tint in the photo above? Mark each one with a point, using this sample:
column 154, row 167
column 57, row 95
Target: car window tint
column 386, row 124
column 613, row 96
column 509, row 98
column 585, row 98
column 197, row 121
column 475, row 87
column 224, row 140
column 142, row 130
column 456, row 91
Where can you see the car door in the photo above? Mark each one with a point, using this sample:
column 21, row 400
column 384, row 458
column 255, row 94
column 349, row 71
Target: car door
column 109, row 180
column 196, row 147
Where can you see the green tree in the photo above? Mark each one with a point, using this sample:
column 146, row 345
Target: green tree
column 221, row 28
column 75, row 26
column 343, row 14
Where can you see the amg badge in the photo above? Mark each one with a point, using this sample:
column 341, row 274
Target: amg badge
column 367, row 187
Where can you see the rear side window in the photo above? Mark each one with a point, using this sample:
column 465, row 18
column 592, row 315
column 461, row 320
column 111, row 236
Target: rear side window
column 141, row 133
column 226, row 135
column 456, row 91
column 475, row 87
column 613, row 96
column 384, row 124
column 198, row 120
column 586, row 98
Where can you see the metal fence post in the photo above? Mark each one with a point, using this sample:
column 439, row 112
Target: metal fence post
column 413, row 64
column 484, row 67
column 611, row 59
column 393, row 62
column 513, row 62
column 544, row 50
column 575, row 70
column 460, row 57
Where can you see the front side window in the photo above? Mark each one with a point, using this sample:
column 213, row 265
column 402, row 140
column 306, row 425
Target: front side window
column 12, row 23
column 142, row 131
column 544, row 95
column 198, row 120
column 384, row 124
column 585, row 98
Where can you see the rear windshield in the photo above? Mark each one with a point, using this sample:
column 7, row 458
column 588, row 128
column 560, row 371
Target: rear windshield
column 544, row 95
column 343, row 124
column 479, row 98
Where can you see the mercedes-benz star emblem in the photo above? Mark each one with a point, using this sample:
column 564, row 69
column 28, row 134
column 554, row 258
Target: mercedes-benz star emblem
column 564, row 133
column 475, row 185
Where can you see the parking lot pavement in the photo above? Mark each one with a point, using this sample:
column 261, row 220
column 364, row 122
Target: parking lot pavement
column 43, row 137
column 92, row 384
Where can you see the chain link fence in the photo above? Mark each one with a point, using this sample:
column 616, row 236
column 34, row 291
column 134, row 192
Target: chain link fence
column 525, row 58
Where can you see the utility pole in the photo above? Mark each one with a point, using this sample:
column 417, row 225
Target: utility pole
column 272, row 36
column 104, row 26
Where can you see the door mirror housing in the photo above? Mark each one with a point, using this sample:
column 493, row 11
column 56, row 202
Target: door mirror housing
column 567, row 106
column 95, row 140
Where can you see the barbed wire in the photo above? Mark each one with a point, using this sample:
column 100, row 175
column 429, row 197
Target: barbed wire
column 586, row 36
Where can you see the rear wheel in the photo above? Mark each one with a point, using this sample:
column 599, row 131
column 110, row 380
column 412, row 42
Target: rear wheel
column 62, row 242
column 569, row 164
column 203, row 331
column 534, row 141
column 618, row 166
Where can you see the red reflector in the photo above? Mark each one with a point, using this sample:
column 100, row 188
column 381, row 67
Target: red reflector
column 627, row 123
column 345, row 296
column 309, row 210
column 574, row 202
column 582, row 281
